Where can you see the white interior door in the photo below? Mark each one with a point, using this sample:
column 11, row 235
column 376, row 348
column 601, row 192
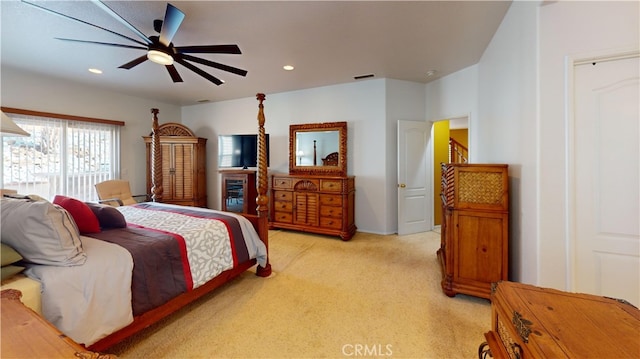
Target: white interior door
column 414, row 201
column 606, row 177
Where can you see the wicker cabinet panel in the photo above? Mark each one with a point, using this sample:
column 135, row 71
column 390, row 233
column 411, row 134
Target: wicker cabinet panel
column 184, row 179
column 316, row 204
column 472, row 186
column 474, row 240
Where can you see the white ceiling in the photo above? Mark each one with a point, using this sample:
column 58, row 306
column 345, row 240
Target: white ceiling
column 328, row 43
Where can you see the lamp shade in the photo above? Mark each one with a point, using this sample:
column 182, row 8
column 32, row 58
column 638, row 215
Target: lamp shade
column 8, row 127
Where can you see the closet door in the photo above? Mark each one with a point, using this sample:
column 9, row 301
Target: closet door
column 606, row 187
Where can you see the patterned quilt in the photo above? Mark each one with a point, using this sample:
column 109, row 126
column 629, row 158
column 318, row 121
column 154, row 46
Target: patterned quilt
column 184, row 246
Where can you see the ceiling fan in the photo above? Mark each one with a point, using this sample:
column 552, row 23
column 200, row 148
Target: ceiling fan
column 159, row 48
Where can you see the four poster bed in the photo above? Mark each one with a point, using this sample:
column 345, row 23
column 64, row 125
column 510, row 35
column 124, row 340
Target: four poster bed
column 98, row 297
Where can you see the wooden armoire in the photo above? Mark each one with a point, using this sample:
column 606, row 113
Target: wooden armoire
column 184, row 178
column 474, row 246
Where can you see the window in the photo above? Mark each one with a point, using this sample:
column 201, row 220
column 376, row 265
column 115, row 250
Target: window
column 66, row 157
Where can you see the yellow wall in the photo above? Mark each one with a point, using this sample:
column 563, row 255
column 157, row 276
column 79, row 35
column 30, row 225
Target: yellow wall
column 440, row 155
column 461, row 135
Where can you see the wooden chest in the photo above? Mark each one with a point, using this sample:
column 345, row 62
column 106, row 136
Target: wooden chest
column 319, row 204
column 534, row 322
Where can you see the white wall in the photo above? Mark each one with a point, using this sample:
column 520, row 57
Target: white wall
column 405, row 101
column 361, row 104
column 40, row 93
column 506, row 128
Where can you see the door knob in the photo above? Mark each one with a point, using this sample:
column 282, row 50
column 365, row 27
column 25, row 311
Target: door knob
column 402, row 185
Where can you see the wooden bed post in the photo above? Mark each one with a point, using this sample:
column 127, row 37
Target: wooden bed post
column 262, row 200
column 156, row 160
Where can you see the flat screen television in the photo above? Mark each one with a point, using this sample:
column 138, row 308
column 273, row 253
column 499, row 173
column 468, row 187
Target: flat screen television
column 239, row 150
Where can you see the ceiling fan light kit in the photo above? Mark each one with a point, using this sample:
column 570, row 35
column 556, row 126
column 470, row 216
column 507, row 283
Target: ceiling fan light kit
column 160, row 49
column 160, row 57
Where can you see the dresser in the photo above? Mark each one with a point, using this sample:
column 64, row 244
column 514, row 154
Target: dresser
column 318, row 204
column 474, row 239
column 533, row 322
column 184, row 180
column 25, row 334
column 239, row 191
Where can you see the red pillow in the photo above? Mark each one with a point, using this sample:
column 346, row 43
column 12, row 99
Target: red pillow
column 86, row 221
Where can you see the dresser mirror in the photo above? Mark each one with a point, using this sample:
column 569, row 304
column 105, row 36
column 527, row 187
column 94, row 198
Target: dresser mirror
column 318, row 149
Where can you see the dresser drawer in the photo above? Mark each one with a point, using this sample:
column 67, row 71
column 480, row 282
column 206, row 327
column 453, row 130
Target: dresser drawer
column 282, row 196
column 330, row 185
column 283, row 206
column 281, row 182
column 283, row 217
column 330, row 222
column 330, row 200
column 327, row 211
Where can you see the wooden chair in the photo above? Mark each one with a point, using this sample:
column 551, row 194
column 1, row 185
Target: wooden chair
column 331, row 159
column 117, row 193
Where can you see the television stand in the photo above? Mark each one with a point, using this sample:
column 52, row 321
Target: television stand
column 239, row 191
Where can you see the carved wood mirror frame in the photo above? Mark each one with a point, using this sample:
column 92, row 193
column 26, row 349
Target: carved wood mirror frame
column 312, row 144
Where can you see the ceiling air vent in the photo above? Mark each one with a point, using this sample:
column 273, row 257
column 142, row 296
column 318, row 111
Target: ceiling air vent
column 360, row 77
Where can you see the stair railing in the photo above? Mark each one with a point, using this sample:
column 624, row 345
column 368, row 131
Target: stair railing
column 458, row 153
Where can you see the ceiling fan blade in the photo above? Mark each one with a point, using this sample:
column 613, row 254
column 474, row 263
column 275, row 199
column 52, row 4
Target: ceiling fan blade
column 86, row 23
column 82, row 21
column 103, row 43
column 199, row 71
column 172, row 19
column 133, row 63
column 115, row 15
column 210, row 49
column 175, row 76
column 219, row 66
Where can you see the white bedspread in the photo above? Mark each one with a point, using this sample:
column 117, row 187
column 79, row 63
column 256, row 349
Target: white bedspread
column 90, row 301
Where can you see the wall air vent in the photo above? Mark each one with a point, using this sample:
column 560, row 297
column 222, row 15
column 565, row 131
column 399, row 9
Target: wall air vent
column 360, row 77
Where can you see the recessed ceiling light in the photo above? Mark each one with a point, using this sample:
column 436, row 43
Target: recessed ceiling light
column 431, row 73
column 95, row 71
column 288, row 67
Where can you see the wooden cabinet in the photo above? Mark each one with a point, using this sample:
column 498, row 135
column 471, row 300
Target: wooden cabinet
column 474, row 231
column 239, row 191
column 533, row 322
column 184, row 179
column 318, row 204
column 25, row 334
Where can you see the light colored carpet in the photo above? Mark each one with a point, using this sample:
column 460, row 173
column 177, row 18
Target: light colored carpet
column 374, row 296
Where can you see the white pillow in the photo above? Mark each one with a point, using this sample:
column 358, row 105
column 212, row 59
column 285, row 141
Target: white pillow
column 41, row 232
